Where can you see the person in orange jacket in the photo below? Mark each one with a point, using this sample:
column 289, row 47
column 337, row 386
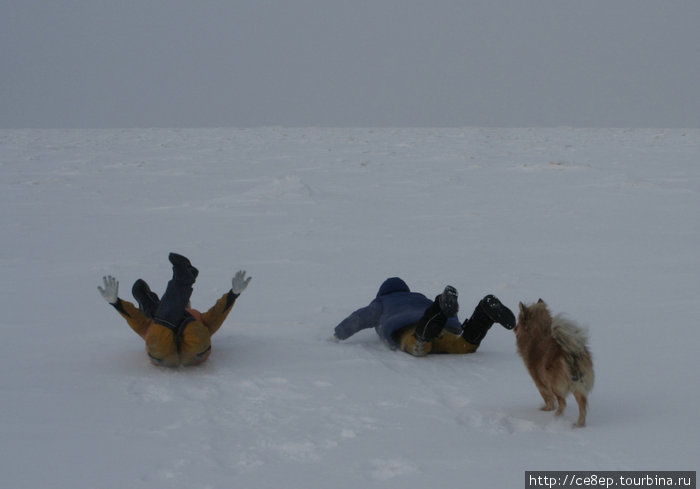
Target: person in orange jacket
column 175, row 334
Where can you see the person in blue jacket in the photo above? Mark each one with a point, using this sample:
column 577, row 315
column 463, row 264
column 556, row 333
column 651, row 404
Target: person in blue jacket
column 411, row 322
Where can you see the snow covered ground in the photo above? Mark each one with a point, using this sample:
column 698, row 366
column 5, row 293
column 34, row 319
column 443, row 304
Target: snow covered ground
column 602, row 224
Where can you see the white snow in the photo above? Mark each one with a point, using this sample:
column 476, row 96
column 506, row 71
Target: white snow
column 602, row 224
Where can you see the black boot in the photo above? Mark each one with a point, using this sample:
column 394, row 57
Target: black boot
column 183, row 271
column 498, row 312
column 435, row 316
column 490, row 310
column 148, row 300
column 449, row 304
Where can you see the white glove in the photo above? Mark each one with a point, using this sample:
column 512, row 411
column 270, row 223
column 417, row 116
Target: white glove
column 239, row 282
column 111, row 290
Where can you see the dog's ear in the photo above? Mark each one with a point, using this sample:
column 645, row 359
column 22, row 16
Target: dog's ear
column 522, row 306
column 540, row 301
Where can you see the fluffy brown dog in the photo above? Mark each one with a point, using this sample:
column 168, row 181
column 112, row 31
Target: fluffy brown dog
column 555, row 352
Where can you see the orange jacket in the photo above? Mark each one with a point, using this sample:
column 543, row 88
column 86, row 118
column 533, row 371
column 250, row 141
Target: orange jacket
column 189, row 346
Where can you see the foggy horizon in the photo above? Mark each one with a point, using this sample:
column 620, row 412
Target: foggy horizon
column 447, row 63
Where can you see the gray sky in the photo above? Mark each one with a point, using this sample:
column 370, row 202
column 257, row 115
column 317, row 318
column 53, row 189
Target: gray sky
column 176, row 63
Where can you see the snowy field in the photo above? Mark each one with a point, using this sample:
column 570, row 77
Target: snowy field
column 602, row 224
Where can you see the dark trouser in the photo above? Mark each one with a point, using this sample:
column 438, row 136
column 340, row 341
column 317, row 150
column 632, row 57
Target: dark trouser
column 171, row 310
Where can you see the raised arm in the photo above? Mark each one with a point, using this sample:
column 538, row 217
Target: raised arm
column 215, row 317
column 137, row 320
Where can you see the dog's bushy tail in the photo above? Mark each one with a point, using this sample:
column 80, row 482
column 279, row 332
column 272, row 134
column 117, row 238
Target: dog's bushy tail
column 572, row 337
column 574, row 341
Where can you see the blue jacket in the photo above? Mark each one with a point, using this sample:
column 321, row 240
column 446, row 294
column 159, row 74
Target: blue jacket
column 394, row 308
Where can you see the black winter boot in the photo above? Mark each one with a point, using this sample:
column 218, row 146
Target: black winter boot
column 435, row 316
column 449, row 304
column 183, row 271
column 148, row 300
column 490, row 310
column 498, row 312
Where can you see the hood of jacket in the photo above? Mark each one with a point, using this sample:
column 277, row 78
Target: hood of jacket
column 391, row 285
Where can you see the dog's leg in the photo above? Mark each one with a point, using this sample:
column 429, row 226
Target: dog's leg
column 582, row 401
column 547, row 396
column 562, row 404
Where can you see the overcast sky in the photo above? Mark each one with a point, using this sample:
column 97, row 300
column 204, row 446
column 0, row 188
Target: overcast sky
column 177, row 63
